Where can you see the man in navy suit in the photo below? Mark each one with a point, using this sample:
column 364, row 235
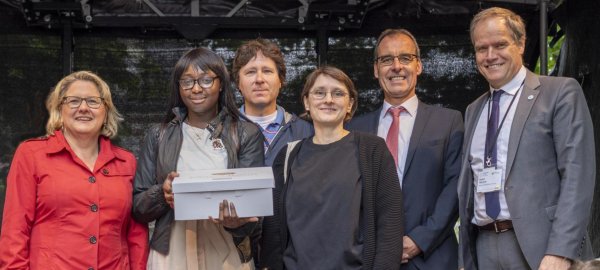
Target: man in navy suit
column 528, row 169
column 426, row 144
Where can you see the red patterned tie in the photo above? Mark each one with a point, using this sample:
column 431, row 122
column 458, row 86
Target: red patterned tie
column 392, row 137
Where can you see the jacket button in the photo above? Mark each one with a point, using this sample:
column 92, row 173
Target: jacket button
column 92, row 179
column 91, row 268
column 94, row 207
column 93, row 240
column 105, row 171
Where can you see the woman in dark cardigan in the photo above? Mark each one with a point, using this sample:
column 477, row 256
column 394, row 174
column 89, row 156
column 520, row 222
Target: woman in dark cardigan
column 337, row 200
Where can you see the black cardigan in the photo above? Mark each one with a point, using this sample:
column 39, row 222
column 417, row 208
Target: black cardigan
column 381, row 204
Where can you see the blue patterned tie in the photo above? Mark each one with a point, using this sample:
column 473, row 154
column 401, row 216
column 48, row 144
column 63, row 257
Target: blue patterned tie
column 492, row 201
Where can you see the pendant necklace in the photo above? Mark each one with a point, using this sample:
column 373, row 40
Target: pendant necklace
column 198, row 134
column 196, row 131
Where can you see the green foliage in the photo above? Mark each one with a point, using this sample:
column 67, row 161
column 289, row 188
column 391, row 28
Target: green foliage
column 553, row 54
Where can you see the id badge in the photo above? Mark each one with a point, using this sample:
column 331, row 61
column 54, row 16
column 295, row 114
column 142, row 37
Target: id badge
column 489, row 180
column 217, row 144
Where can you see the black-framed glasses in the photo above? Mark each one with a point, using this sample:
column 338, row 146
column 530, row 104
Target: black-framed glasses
column 405, row 59
column 321, row 94
column 74, row 102
column 203, row 82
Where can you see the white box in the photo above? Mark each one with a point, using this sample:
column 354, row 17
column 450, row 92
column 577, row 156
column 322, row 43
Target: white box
column 198, row 193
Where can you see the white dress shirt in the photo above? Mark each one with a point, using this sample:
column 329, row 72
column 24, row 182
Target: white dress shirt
column 407, row 121
column 476, row 153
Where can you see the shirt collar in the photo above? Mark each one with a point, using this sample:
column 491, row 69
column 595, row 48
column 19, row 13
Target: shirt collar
column 280, row 115
column 58, row 143
column 278, row 119
column 410, row 105
column 513, row 86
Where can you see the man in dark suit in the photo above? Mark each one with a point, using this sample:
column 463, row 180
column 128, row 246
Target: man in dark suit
column 528, row 170
column 425, row 142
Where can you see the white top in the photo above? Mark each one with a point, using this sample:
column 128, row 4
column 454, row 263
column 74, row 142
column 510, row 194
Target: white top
column 197, row 151
column 407, row 121
column 263, row 121
column 476, row 153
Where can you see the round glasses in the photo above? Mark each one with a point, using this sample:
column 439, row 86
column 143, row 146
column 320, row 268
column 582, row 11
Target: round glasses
column 321, row 94
column 204, row 82
column 74, row 102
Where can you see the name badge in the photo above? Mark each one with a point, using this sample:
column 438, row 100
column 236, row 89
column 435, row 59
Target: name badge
column 489, row 180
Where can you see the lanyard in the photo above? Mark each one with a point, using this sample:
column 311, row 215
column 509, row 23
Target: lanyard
column 495, row 138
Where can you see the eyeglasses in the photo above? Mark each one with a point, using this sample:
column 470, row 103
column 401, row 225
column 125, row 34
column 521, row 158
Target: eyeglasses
column 321, row 94
column 74, row 102
column 204, row 82
column 388, row 60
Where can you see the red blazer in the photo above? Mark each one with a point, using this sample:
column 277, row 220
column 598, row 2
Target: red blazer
column 60, row 215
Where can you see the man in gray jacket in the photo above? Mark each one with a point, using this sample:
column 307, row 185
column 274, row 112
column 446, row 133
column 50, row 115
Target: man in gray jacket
column 528, row 170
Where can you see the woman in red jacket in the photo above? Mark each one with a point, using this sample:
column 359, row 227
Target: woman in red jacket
column 68, row 198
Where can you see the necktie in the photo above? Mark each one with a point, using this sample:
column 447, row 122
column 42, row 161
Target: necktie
column 392, row 137
column 492, row 201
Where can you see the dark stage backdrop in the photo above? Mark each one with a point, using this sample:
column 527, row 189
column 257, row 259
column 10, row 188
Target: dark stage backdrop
column 582, row 57
column 137, row 70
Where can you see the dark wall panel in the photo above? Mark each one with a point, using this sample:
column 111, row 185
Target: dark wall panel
column 580, row 20
column 137, row 71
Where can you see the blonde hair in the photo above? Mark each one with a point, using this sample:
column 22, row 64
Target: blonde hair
column 513, row 22
column 588, row 265
column 55, row 99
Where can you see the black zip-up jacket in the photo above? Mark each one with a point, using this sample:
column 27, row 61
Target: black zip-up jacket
column 293, row 128
column 158, row 157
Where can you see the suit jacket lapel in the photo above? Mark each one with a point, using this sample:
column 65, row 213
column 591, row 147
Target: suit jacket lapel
column 423, row 113
column 526, row 101
column 471, row 119
column 374, row 121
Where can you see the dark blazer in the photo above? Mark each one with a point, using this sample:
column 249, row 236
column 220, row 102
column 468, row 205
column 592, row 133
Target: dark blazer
column 429, row 185
column 550, row 171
